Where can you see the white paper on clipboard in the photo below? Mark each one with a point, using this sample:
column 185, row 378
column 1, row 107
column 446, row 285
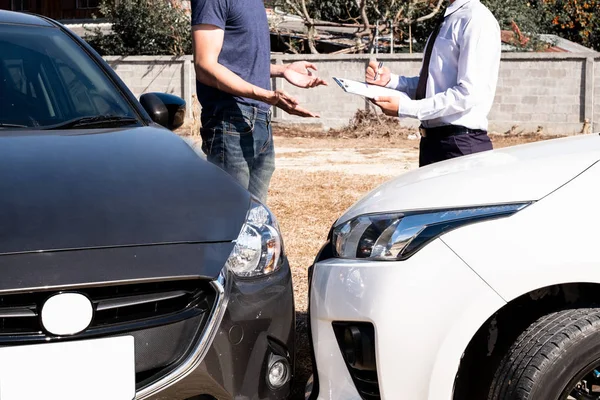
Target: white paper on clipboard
column 368, row 91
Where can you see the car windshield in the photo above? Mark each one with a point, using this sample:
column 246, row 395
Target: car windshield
column 47, row 79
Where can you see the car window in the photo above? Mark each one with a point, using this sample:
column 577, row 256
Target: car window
column 46, row 79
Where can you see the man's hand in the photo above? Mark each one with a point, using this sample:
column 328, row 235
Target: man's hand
column 384, row 74
column 279, row 97
column 289, row 104
column 300, row 74
column 389, row 105
column 299, row 111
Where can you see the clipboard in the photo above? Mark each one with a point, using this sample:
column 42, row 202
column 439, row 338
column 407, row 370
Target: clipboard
column 367, row 90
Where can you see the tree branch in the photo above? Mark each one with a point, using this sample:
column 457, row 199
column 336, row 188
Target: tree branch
column 308, row 22
column 432, row 13
column 352, row 49
column 294, row 6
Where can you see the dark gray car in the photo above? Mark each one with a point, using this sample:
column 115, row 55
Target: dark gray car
column 130, row 267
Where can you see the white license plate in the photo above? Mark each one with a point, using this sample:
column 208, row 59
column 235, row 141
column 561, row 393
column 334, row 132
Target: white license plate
column 100, row 369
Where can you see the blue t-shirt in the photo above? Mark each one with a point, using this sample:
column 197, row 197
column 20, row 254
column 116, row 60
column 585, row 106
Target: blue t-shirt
column 246, row 46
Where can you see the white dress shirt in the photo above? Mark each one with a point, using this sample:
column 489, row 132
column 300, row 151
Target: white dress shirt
column 463, row 71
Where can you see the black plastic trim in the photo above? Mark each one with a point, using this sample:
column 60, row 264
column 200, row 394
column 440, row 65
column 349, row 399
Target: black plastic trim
column 365, row 378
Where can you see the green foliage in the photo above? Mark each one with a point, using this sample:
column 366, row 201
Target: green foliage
column 523, row 13
column 142, row 27
column 576, row 20
column 333, row 10
column 522, row 18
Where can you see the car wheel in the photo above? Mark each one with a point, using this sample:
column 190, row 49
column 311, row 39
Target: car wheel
column 557, row 357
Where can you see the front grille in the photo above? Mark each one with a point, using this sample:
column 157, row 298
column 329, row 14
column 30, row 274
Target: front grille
column 160, row 349
column 118, row 305
column 18, row 315
column 119, row 308
column 357, row 344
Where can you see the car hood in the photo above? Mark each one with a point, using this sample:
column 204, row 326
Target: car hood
column 110, row 188
column 520, row 173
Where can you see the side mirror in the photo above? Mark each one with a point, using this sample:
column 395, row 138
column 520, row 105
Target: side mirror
column 164, row 109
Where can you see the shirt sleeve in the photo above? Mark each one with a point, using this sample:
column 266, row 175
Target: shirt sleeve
column 210, row 12
column 479, row 46
column 404, row 84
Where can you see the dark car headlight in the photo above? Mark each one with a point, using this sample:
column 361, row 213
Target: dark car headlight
column 258, row 248
column 397, row 236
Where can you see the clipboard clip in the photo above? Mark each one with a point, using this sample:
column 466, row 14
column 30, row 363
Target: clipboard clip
column 339, row 82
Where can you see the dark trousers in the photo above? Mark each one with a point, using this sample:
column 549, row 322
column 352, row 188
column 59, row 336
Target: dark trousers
column 435, row 148
column 238, row 138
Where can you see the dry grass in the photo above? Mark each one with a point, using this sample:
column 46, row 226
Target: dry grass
column 306, row 205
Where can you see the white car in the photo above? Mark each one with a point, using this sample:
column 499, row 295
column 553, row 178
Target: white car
column 471, row 279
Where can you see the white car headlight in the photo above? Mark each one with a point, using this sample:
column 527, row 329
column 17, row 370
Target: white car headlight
column 257, row 249
column 397, row 236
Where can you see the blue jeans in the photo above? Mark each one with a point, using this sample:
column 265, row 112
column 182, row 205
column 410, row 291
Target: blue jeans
column 239, row 139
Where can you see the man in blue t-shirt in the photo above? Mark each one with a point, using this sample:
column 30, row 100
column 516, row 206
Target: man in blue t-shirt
column 232, row 57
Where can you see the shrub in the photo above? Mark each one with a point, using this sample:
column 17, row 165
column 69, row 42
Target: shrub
column 576, row 20
column 142, row 27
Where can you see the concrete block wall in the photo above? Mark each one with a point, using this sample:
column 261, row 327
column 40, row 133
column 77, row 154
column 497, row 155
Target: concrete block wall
column 546, row 93
column 330, row 102
column 144, row 74
column 534, row 90
column 557, row 91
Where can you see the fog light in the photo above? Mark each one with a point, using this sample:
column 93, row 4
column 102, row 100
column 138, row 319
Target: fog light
column 279, row 372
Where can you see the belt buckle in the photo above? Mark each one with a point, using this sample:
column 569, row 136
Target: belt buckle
column 423, row 131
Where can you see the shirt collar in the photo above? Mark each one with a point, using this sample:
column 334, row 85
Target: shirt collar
column 456, row 5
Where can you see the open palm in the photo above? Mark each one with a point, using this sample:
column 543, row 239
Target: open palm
column 300, row 74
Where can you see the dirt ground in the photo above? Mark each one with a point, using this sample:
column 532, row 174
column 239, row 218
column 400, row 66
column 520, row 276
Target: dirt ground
column 319, row 175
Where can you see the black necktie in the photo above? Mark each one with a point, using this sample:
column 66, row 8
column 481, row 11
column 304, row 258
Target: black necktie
column 422, row 86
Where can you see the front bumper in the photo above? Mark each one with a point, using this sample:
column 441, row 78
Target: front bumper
column 196, row 331
column 423, row 311
column 253, row 320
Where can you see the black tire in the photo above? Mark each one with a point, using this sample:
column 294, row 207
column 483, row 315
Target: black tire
column 550, row 357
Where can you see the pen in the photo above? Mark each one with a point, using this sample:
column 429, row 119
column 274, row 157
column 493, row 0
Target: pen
column 378, row 69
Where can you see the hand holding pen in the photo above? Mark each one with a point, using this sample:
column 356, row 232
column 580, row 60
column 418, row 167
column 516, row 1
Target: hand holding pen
column 377, row 74
column 378, row 70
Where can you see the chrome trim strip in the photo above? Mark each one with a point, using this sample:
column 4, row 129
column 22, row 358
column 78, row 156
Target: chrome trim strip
column 76, row 286
column 195, row 358
column 128, row 301
column 17, row 312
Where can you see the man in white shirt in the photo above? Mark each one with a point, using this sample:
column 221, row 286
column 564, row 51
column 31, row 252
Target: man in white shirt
column 454, row 93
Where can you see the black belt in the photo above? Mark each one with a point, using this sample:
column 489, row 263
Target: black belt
column 448, row 130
